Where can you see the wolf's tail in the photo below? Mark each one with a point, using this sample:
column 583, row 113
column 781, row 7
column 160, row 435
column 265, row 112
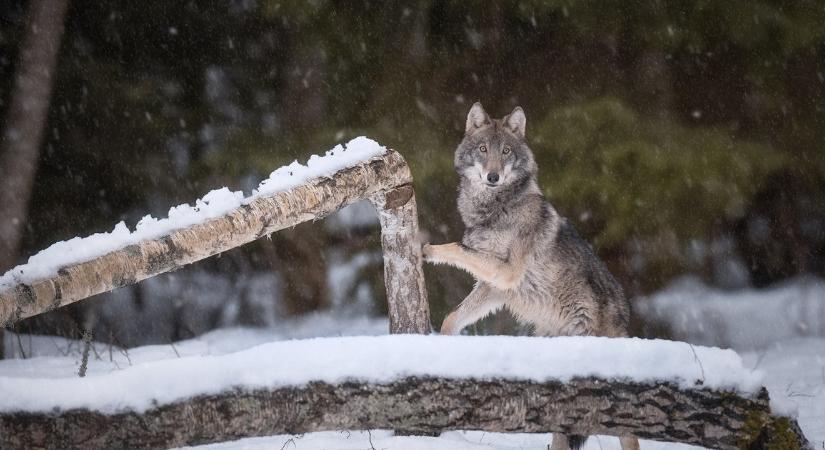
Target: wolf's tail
column 576, row 441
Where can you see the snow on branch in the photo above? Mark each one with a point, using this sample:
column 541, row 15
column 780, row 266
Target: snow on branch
column 81, row 267
column 216, row 203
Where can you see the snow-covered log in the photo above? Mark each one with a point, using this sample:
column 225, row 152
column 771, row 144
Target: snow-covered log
column 657, row 411
column 385, row 180
column 415, row 384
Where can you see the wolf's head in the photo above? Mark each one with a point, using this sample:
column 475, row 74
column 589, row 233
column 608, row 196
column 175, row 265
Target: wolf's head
column 493, row 153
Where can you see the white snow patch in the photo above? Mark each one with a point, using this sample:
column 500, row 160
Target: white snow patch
column 339, row 157
column 795, row 378
column 453, row 440
column 382, row 359
column 57, row 357
column 744, row 319
column 46, row 263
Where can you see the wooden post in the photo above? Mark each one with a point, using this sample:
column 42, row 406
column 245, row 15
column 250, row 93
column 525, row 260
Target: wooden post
column 660, row 411
column 385, row 180
column 409, row 310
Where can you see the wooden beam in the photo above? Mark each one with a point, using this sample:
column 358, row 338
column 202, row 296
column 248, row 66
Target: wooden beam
column 385, row 180
column 660, row 411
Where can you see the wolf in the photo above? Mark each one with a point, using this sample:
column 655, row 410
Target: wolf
column 523, row 254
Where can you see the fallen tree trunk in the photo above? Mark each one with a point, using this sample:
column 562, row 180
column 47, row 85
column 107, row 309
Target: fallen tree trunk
column 385, row 181
column 659, row 411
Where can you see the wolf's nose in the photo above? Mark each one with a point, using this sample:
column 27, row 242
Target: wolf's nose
column 492, row 177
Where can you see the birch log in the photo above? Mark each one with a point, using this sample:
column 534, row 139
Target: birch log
column 402, row 259
column 660, row 411
column 385, row 180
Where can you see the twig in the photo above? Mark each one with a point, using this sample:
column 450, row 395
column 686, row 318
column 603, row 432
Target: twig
column 84, row 362
column 289, row 441
column 122, row 349
column 369, row 436
column 790, row 393
column 173, row 348
column 760, row 358
column 698, row 361
column 126, row 354
column 110, row 347
column 800, row 394
column 94, row 349
column 66, row 353
column 20, row 345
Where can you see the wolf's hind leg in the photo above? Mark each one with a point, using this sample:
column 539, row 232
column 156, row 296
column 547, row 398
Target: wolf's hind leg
column 629, row 443
column 483, row 300
column 559, row 442
column 565, row 442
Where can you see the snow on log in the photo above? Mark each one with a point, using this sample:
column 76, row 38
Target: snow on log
column 653, row 389
column 79, row 268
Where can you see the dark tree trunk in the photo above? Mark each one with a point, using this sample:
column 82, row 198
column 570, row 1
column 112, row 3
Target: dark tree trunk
column 661, row 411
column 297, row 255
column 25, row 121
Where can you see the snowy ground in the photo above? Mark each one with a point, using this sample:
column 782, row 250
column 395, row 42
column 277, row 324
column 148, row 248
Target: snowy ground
column 746, row 319
column 793, row 363
column 452, row 440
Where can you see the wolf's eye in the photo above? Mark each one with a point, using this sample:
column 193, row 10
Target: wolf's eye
column 482, row 148
column 506, row 150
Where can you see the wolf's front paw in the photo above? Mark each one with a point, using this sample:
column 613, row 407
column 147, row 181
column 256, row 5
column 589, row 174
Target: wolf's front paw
column 439, row 254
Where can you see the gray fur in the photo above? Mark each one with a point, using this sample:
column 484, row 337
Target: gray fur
column 551, row 278
column 566, row 289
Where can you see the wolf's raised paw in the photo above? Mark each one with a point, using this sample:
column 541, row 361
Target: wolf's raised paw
column 427, row 252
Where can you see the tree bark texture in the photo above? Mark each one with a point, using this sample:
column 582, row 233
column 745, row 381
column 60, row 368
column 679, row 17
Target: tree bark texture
column 26, row 119
column 402, row 260
column 385, row 179
column 659, row 411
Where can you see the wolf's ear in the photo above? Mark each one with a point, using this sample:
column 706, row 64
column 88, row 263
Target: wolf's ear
column 476, row 118
column 516, row 122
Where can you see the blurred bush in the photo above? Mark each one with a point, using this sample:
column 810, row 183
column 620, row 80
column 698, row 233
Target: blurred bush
column 647, row 188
